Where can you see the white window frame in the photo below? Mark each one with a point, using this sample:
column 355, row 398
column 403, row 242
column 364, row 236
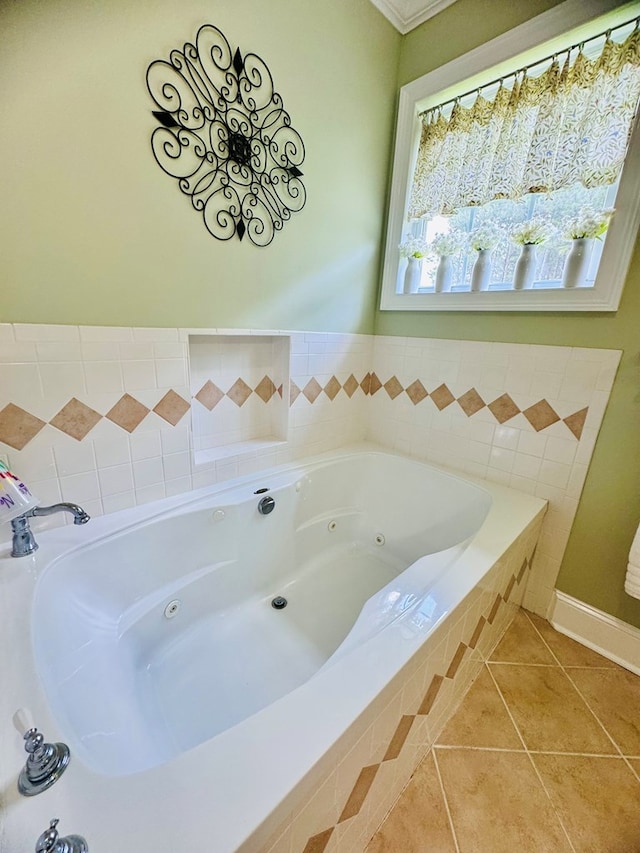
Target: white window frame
column 616, row 256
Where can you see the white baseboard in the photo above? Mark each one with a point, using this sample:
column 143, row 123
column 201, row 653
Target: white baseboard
column 610, row 637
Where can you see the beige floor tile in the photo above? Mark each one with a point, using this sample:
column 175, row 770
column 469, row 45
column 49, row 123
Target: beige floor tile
column 482, row 719
column 614, row 696
column 597, row 800
column 548, row 711
column 497, row 803
column 568, row 652
column 418, row 823
column 522, row 644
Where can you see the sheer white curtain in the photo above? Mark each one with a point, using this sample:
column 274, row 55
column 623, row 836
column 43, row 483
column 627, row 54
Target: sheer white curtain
column 569, row 125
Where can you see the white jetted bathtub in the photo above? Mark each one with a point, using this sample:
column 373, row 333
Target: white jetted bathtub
column 202, row 658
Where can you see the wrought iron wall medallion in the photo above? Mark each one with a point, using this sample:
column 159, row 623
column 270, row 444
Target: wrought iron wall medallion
column 226, row 137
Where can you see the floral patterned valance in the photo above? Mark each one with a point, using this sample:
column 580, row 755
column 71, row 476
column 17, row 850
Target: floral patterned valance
column 569, row 125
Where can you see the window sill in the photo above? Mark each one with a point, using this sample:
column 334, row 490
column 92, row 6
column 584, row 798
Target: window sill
column 547, row 299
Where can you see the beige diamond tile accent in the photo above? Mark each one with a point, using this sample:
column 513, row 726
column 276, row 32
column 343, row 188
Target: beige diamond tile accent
column 332, row 388
column 476, row 634
column 318, row 843
column 503, row 408
column 523, row 569
column 265, row 389
column 510, row 586
column 18, row 427
column 366, row 383
column 294, row 392
column 456, row 660
column 279, row 390
column 239, row 392
column 76, row 419
column 494, row 609
column 172, row 407
column 374, row 384
column 416, row 392
column 431, row 695
column 575, row 422
column 442, row 397
column 471, row 402
column 312, row 390
column 393, row 387
column 359, row 792
column 351, row 386
column 209, row 395
column 541, row 415
column 399, row 737
column 127, row 413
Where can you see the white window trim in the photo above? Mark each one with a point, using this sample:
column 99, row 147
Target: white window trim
column 616, row 257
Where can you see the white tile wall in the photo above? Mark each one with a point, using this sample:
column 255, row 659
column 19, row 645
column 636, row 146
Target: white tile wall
column 551, row 464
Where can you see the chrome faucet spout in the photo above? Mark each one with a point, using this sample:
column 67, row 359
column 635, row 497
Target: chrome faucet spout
column 79, row 515
column 24, row 542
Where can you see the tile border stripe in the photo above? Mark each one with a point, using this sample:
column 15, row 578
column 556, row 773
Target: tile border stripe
column 18, row 426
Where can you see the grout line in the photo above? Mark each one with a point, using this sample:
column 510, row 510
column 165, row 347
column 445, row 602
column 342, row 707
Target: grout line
column 550, row 650
column 518, row 663
column 445, row 800
column 574, row 754
column 531, row 751
column 566, row 672
column 635, row 772
column 479, row 748
column 507, row 708
column 532, row 762
column 593, row 713
column 551, row 800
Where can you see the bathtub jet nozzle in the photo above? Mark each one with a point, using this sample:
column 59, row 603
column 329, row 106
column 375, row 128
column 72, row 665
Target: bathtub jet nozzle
column 279, row 602
column 266, row 505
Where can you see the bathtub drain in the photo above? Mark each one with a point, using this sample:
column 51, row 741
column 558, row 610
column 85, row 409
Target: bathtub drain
column 278, row 603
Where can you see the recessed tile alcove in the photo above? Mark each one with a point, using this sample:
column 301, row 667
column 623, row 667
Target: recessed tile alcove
column 239, row 385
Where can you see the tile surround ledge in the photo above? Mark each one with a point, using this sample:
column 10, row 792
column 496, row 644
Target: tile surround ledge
column 103, row 415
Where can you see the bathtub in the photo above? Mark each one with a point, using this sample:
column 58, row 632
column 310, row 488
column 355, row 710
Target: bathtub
column 213, row 668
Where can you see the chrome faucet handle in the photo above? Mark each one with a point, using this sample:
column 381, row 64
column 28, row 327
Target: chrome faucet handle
column 50, row 842
column 46, row 763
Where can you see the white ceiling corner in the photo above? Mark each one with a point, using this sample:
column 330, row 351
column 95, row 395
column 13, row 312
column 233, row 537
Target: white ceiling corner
column 407, row 14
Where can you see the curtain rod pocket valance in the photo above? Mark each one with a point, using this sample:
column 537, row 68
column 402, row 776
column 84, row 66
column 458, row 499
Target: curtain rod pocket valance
column 568, row 125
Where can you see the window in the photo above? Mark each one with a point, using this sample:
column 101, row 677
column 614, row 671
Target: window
column 493, row 173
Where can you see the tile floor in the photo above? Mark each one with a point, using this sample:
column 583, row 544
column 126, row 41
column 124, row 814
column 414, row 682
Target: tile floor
column 543, row 755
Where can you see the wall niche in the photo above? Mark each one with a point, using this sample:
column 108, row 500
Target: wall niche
column 240, row 390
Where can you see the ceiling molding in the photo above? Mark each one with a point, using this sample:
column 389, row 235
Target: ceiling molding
column 405, row 15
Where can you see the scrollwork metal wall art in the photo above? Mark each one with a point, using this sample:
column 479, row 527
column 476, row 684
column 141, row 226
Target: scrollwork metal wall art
column 226, row 137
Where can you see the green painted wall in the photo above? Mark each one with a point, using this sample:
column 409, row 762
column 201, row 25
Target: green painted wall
column 595, row 561
column 459, row 28
column 91, row 230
